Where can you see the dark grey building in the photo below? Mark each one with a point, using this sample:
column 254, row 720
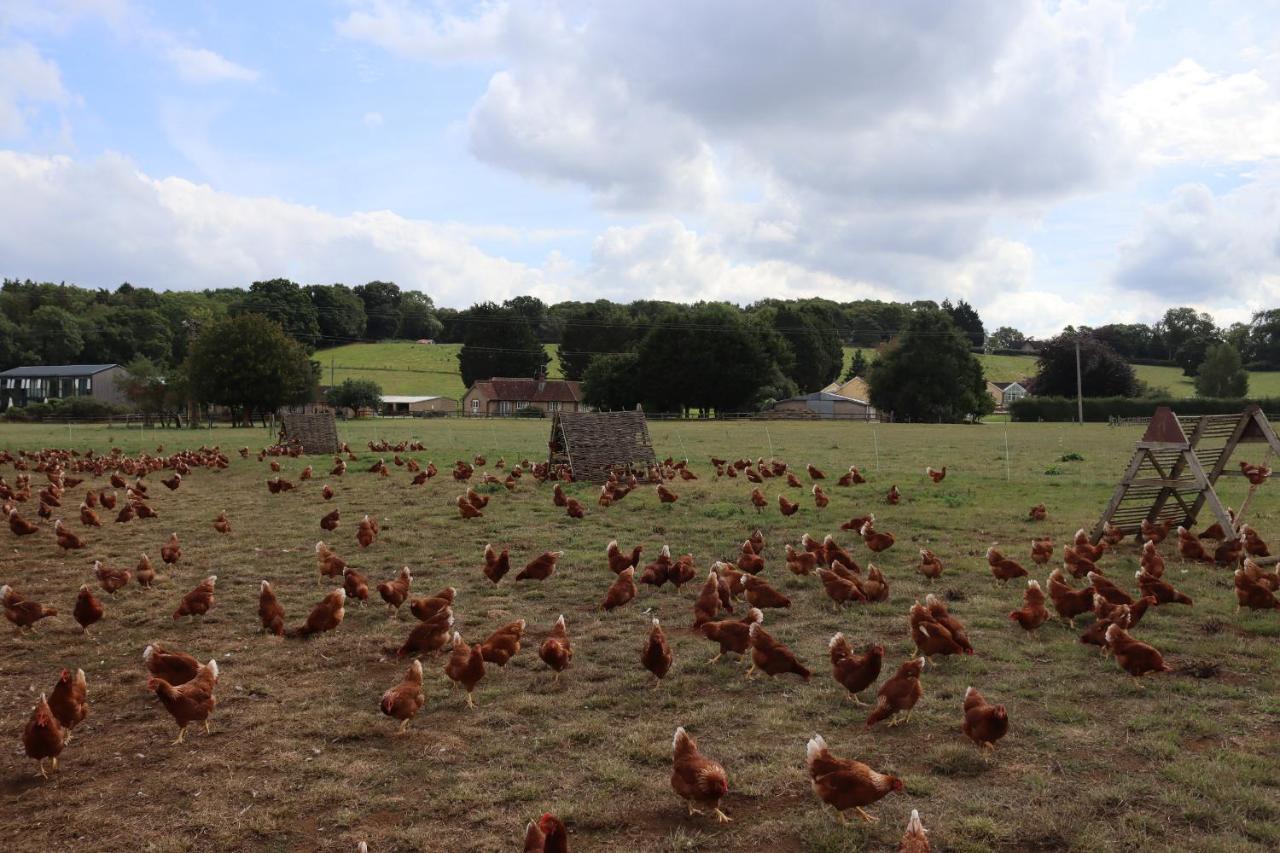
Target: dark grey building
column 39, row 383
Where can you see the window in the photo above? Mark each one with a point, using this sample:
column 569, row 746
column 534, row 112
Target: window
column 475, row 406
column 504, row 407
column 553, row 406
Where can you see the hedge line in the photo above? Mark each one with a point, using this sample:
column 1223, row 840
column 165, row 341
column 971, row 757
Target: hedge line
column 1102, row 409
column 69, row 407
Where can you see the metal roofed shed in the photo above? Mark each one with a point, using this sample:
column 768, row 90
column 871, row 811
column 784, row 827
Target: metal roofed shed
column 593, row 444
column 40, row 383
column 415, row 404
column 822, row 405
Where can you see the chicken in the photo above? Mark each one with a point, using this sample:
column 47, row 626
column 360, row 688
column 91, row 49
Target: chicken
column 1253, row 594
column 1151, row 561
column 899, row 694
column 428, row 637
column 930, row 566
column 733, row 635
column 875, row 541
column 126, row 514
column 666, row 496
column 1039, row 512
column 875, row 587
column 557, row 496
column 914, row 840
column 939, row 613
column 1033, row 613
column 833, row 553
column 843, row 783
column 1255, row 474
column 1133, row 656
column 800, row 562
column 695, row 778
column 503, row 644
column 618, row 560
column 772, row 657
column 1229, row 553
column 21, row 612
column 854, row 672
column 171, row 551
column 269, row 610
column 174, row 667
column 547, row 835
column 221, row 524
column 192, row 702
column 19, row 525
column 1253, row 544
column 330, row 564
column 749, row 560
column 1092, row 553
column 1002, row 568
column 67, row 539
column 355, row 585
column 893, row 496
column 394, row 592
column 87, row 610
column 111, row 580
column 365, row 533
column 815, row 473
column 707, row 606
column 1162, row 591
column 556, row 651
column 1108, row 590
column 199, row 601
column 465, row 667
column 820, row 499
column 405, row 700
column 540, row 568
column 327, row 492
column 88, row 517
column 622, row 590
column 760, row 594
column 856, row 523
column 937, row 475
column 984, row 723
column 1189, row 547
column 839, row 588
column 68, row 701
column 43, row 737
column 758, row 500
column 657, row 572
column 325, row 616
column 786, row 507
column 1155, row 533
column 1076, row 563
column 655, row 655
column 425, row 609
column 1069, row 602
column 682, row 571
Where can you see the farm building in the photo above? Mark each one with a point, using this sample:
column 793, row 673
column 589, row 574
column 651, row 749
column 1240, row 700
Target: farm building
column 506, row 396
column 40, row 383
column 1005, row 393
column 822, row 405
column 394, row 404
column 855, row 389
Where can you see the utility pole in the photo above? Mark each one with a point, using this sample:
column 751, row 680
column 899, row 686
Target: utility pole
column 1079, row 387
column 331, row 365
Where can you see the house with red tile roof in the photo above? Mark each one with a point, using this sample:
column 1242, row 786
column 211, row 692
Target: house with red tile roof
column 506, row 396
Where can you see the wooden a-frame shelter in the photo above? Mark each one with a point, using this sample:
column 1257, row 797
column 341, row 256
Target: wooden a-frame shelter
column 315, row 432
column 592, row 444
column 1174, row 468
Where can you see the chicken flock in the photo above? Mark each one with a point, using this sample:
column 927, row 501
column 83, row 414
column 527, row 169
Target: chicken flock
column 727, row 611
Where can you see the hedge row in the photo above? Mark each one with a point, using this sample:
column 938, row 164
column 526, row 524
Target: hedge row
column 73, row 408
column 1102, row 409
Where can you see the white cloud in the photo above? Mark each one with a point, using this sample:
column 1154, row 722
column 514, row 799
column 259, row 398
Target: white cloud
column 1190, row 113
column 28, row 81
column 372, row 119
column 201, row 65
column 427, row 33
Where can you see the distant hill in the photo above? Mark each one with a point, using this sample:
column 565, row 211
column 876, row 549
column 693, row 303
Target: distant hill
column 403, row 367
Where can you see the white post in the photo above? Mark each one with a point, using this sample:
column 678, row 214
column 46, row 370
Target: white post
column 1007, row 475
column 875, row 438
column 683, row 449
column 770, row 438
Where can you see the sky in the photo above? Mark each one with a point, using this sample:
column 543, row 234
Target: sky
column 1052, row 163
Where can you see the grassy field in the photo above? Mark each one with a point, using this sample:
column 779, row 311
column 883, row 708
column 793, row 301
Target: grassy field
column 301, row 759
column 401, row 367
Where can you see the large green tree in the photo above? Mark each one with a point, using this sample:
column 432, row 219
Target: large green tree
column 1221, row 373
column 55, row 334
column 1103, row 372
column 816, row 354
column 355, row 394
column 1006, row 337
column 1178, row 326
column 591, row 328
column 285, row 303
column 966, row 320
column 339, row 313
column 609, row 381
column 497, row 341
column 248, row 364
column 418, row 317
column 382, row 308
column 929, row 373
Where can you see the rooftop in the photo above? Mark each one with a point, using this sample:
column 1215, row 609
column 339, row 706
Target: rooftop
column 401, row 398
column 59, row 370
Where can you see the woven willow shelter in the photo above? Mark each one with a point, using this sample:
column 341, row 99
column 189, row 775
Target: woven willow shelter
column 316, row 432
column 1175, row 466
column 594, row 443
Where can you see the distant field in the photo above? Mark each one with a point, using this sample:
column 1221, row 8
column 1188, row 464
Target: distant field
column 401, row 367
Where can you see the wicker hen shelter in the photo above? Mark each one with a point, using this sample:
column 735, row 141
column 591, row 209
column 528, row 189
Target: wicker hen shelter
column 594, row 443
column 1175, row 466
column 316, row 432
